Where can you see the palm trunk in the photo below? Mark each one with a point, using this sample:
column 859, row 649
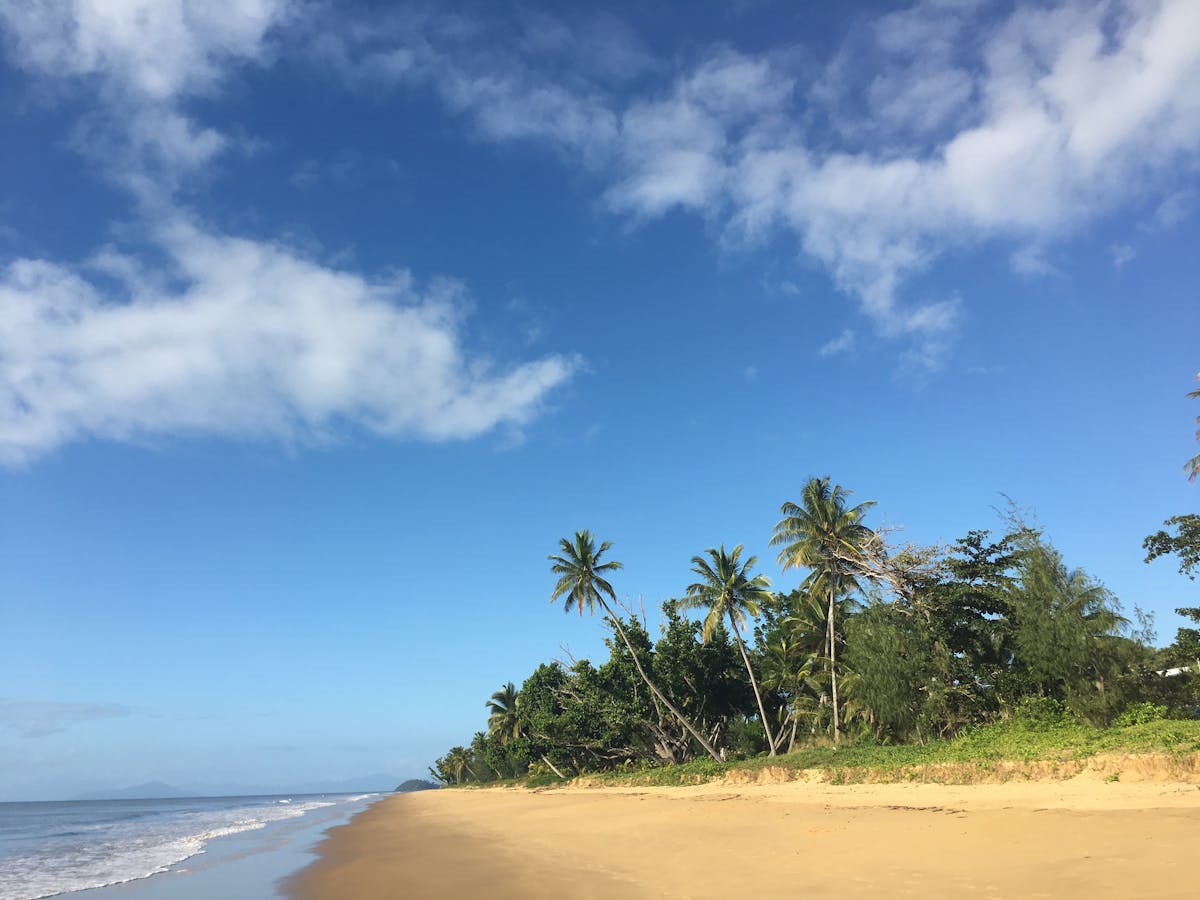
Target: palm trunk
column 782, row 734
column 654, row 690
column 833, row 664
column 553, row 767
column 754, row 684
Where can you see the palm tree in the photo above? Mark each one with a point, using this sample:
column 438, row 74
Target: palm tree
column 1192, row 466
column 458, row 762
column 581, row 581
column 822, row 534
column 726, row 589
column 502, row 721
column 789, row 669
column 505, row 721
column 807, row 632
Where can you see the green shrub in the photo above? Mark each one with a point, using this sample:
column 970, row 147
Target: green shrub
column 1141, row 713
column 1041, row 714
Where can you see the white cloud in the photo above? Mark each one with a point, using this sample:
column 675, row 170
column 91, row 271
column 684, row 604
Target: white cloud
column 680, row 150
column 155, row 49
column 1030, row 260
column 233, row 337
column 918, row 81
column 1176, row 207
column 250, row 341
column 502, row 95
column 965, row 128
column 142, row 59
column 843, row 343
column 1122, row 254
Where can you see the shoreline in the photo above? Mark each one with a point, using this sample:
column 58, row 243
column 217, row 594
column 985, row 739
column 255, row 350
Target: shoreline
column 1046, row 838
column 248, row 864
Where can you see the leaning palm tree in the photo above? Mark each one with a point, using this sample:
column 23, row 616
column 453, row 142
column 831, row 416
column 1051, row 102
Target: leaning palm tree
column 582, row 583
column 727, row 590
column 503, row 722
column 823, row 534
column 1192, row 466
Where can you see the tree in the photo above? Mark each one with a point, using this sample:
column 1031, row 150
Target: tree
column 1184, row 543
column 793, row 659
column 1192, row 466
column 1187, row 640
column 582, row 583
column 967, row 612
column 503, row 722
column 541, row 711
column 901, row 682
column 726, row 589
column 454, row 767
column 1066, row 631
column 705, row 679
column 821, row 533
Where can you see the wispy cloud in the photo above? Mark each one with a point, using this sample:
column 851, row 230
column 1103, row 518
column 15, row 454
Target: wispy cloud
column 247, row 339
column 1122, row 254
column 966, row 129
column 231, row 336
column 141, row 60
column 1031, row 261
column 970, row 126
column 533, row 79
column 34, row 719
column 843, row 343
column 1177, row 206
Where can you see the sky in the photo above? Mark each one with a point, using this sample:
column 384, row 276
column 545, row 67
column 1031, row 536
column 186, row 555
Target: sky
column 321, row 324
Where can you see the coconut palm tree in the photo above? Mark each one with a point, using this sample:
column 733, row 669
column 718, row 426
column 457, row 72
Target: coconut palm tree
column 458, row 763
column 727, row 590
column 582, row 582
column 1192, row 466
column 790, row 669
column 823, row 534
column 503, row 722
column 797, row 664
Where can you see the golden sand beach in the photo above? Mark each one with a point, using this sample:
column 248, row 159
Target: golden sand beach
column 1084, row 837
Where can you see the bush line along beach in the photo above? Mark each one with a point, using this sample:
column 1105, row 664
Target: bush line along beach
column 979, row 719
column 886, row 656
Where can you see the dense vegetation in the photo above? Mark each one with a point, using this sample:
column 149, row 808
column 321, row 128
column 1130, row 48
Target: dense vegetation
column 899, row 653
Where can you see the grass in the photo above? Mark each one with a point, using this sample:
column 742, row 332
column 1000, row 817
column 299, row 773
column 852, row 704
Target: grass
column 981, row 750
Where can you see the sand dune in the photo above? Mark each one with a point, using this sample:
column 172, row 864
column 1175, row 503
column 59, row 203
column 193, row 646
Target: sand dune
column 1083, row 837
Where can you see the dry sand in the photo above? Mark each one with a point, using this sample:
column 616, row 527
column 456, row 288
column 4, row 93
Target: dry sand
column 1078, row 838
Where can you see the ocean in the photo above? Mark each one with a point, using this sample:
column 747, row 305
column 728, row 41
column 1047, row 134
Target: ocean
column 53, row 848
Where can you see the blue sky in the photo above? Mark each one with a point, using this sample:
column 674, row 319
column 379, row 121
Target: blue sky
column 320, row 324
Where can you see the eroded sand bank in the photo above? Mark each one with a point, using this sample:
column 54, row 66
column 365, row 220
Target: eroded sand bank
column 1082, row 837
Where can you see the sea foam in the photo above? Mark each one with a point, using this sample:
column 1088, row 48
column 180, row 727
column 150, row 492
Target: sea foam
column 66, row 847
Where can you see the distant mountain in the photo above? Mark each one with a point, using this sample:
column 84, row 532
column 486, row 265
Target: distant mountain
column 365, row 784
column 151, row 790
column 417, row 784
column 157, row 790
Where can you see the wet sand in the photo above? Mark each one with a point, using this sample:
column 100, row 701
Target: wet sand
column 1033, row 839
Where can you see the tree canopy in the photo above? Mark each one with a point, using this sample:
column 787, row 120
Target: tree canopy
column 881, row 644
